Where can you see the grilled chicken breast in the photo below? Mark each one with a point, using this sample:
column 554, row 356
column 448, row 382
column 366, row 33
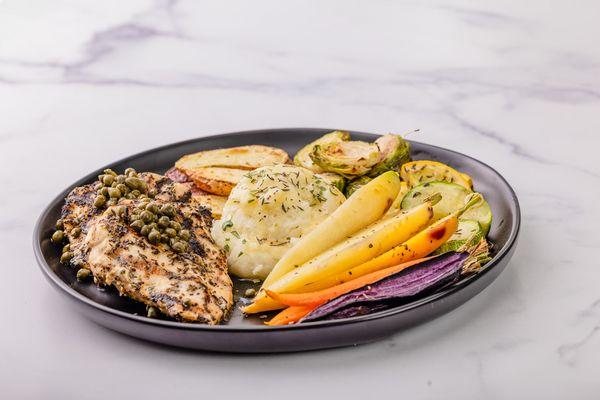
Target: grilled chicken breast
column 191, row 286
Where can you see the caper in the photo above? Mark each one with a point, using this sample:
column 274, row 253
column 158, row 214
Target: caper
column 114, row 193
column 168, row 209
column 75, row 232
column 145, row 230
column 104, row 191
column 130, row 196
column 153, row 225
column 133, row 183
column 59, row 224
column 114, row 184
column 110, row 172
column 142, row 185
column 185, row 234
column 151, row 312
column 178, row 247
column 108, row 180
column 135, row 193
column 152, row 207
column 121, row 179
column 111, row 202
column 101, row 177
column 83, row 274
column 123, row 189
column 147, row 216
column 129, row 171
column 164, row 221
column 170, row 232
column 154, row 236
column 99, row 201
column 58, row 236
column 164, row 238
column 137, row 225
column 172, row 241
column 66, row 257
column 175, row 225
column 66, row 247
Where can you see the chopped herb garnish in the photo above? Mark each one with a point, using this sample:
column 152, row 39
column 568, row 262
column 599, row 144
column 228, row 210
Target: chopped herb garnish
column 227, row 224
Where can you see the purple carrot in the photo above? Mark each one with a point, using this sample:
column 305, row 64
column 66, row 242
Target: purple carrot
column 414, row 280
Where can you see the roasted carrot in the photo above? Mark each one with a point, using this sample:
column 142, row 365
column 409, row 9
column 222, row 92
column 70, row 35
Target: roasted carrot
column 289, row 316
column 418, row 246
column 319, row 297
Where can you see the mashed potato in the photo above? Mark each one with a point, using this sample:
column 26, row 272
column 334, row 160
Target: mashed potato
column 270, row 209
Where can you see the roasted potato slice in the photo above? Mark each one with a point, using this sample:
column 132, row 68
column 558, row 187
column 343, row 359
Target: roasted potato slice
column 242, row 157
column 216, row 180
column 211, row 201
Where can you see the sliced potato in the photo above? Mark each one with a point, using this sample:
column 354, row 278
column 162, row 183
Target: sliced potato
column 211, row 201
column 242, row 157
column 216, row 180
column 422, row 171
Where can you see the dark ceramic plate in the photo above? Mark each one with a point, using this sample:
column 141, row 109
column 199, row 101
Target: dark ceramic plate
column 239, row 334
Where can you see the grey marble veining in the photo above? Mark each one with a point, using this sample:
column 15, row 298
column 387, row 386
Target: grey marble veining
column 516, row 84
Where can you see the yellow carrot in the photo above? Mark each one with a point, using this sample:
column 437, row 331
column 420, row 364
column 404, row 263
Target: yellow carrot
column 363, row 246
column 418, row 246
column 367, row 205
column 395, row 207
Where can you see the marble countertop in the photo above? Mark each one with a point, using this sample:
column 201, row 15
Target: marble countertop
column 516, row 84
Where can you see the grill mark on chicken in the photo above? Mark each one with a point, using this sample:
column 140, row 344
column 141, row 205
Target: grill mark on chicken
column 192, row 286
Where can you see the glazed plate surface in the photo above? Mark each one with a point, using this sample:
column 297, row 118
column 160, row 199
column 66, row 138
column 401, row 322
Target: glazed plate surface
column 240, row 334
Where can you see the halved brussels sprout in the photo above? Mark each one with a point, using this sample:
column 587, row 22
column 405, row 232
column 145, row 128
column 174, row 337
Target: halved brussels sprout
column 303, row 159
column 356, row 184
column 334, row 179
column 350, row 159
column 394, row 150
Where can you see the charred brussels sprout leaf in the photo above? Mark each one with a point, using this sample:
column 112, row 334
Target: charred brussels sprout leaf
column 350, row 159
column 303, row 159
column 356, row 184
column 334, row 179
column 394, row 151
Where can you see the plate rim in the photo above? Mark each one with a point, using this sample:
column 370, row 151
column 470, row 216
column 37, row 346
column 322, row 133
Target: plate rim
column 67, row 290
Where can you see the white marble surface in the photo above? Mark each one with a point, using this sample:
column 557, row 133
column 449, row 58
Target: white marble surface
column 514, row 83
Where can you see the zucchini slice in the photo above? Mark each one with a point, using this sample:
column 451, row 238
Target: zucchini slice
column 453, row 198
column 467, row 229
column 422, row 171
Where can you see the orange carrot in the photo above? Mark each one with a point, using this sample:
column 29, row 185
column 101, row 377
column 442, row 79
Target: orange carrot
column 289, row 316
column 319, row 297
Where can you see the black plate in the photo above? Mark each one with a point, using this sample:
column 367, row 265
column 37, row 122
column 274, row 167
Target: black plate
column 107, row 308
